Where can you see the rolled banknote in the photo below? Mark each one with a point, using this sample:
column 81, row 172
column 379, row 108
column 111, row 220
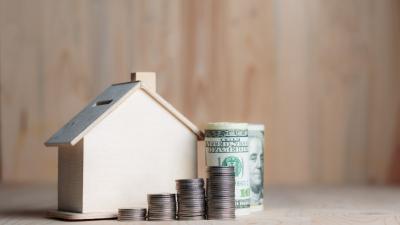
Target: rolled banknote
column 256, row 166
column 226, row 144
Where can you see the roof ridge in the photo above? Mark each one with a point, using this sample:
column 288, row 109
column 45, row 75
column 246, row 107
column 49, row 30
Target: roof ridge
column 171, row 109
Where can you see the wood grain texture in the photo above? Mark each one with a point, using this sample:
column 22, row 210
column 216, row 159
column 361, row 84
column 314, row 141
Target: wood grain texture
column 384, row 95
column 322, row 75
column 283, row 205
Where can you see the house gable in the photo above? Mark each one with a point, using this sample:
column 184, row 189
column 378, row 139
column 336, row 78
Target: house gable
column 139, row 148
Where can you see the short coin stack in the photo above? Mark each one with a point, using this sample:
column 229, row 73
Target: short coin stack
column 220, row 192
column 161, row 206
column 191, row 199
column 132, row 214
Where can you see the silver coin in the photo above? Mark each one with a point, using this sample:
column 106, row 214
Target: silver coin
column 198, row 208
column 132, row 214
column 220, row 187
column 191, row 217
column 190, row 182
column 220, row 168
column 220, row 217
column 161, row 206
column 191, row 199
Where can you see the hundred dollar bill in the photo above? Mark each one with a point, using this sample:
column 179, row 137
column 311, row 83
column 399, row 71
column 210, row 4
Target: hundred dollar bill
column 256, row 166
column 226, row 144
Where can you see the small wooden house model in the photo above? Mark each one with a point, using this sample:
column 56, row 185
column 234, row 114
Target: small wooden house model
column 126, row 143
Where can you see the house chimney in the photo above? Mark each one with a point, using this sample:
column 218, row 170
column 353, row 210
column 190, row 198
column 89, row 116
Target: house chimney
column 148, row 79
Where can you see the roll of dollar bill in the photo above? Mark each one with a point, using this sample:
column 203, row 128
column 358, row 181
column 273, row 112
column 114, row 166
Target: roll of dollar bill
column 256, row 166
column 226, row 144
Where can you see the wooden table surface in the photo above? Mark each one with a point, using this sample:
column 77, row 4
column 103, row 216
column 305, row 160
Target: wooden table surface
column 27, row 204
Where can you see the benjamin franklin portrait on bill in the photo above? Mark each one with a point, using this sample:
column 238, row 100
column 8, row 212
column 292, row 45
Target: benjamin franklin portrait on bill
column 256, row 167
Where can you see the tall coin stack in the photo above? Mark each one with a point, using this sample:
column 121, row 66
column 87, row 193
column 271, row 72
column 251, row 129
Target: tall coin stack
column 191, row 199
column 161, row 206
column 132, row 214
column 226, row 144
column 220, row 192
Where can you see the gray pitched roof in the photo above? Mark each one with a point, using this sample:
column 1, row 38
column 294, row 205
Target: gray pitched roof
column 101, row 106
column 93, row 111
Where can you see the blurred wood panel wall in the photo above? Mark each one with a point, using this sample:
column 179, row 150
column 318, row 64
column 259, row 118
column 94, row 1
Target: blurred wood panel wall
column 322, row 75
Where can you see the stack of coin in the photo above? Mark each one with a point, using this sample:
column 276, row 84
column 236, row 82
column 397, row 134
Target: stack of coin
column 132, row 214
column 161, row 206
column 191, row 199
column 220, row 192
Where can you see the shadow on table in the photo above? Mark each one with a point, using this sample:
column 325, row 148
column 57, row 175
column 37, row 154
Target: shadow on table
column 24, row 213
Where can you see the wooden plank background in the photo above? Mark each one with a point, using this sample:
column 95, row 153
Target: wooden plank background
column 322, row 75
